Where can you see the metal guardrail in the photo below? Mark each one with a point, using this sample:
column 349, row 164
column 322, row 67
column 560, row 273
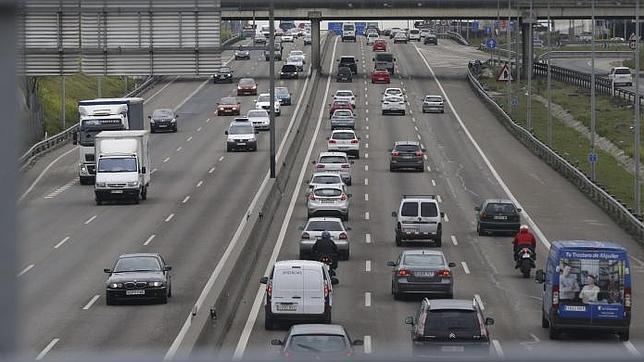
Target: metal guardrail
column 616, row 209
column 454, row 36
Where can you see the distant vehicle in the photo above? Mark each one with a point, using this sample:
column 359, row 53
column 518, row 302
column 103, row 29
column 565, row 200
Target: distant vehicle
column 343, row 119
column 379, row 45
column 265, row 32
column 277, row 54
column 433, row 103
column 621, row 76
column 407, row 154
column 296, row 291
column 241, row 135
column 259, row 39
column 384, row 61
column 289, row 71
column 371, row 38
column 372, row 26
column 418, row 218
column 298, row 53
column 325, row 200
column 400, row 37
column 497, row 216
column 313, row 230
column 336, row 162
column 242, row 54
column 345, row 95
column 264, row 102
column 393, row 104
column 141, row 276
column 223, row 75
column 287, row 38
column 284, row 96
column 344, row 140
column 163, row 120
column 414, row 34
column 450, row 328
column 344, row 75
column 422, row 272
column 246, row 86
column 617, row 39
column 348, row 32
column 259, row 118
column 586, row 286
column 380, row 76
column 317, row 342
column 307, row 39
column 228, row 106
column 393, row 32
column 431, row 39
column 297, row 61
column 586, row 37
column 286, row 25
column 349, row 61
column 424, row 33
column 339, row 104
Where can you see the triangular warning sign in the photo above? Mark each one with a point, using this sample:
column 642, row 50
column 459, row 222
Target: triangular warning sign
column 505, row 74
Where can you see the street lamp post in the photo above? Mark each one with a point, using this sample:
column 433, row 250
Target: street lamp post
column 271, row 106
column 592, row 158
column 636, row 148
column 549, row 90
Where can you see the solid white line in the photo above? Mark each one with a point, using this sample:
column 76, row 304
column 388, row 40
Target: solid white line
column 366, row 181
column 367, row 265
column 367, row 238
column 433, row 182
column 466, row 269
column 631, row 349
column 367, row 299
column 166, row 159
column 25, row 270
column 496, row 175
column 44, row 352
column 199, row 184
column 498, row 349
column 160, row 90
column 186, row 199
column 367, row 344
column 211, row 170
column 366, row 215
column 189, row 139
column 90, row 219
column 60, row 243
column 42, row 174
column 167, row 219
column 91, row 302
column 221, row 158
column 366, row 167
column 243, row 340
column 480, row 301
column 411, row 111
column 150, row 238
column 454, row 241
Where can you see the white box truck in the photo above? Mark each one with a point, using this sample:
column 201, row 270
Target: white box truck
column 122, row 165
column 104, row 114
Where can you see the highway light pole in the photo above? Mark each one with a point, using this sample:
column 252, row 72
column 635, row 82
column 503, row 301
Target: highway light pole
column 271, row 66
column 592, row 158
column 529, row 70
column 509, row 46
column 636, row 148
column 549, row 90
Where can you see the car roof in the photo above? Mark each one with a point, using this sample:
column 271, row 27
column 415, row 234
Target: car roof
column 326, row 173
column 323, row 154
column 247, row 80
column 422, row 252
column 337, row 186
column 136, row 255
column 433, row 95
column 498, row 201
column 288, row 263
column 317, row 329
column 324, row 218
column 343, row 131
column 587, row 244
column 462, row 304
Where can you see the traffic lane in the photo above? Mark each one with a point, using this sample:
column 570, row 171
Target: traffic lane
column 162, row 213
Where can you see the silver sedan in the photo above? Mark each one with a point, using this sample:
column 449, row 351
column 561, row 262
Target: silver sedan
column 424, row 272
column 313, row 230
column 328, row 200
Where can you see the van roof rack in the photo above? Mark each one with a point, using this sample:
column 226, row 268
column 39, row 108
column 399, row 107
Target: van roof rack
column 409, row 196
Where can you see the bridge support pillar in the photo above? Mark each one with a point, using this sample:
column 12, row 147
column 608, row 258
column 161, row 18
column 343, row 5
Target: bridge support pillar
column 315, row 16
column 526, row 48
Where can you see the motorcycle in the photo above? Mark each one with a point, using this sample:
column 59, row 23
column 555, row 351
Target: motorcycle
column 325, row 259
column 525, row 261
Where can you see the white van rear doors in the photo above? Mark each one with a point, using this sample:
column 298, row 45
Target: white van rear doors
column 287, row 294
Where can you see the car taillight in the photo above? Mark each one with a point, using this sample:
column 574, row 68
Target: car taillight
column 254, row 87
column 269, row 289
column 326, row 289
column 354, row 141
column 306, row 236
column 419, row 153
column 555, row 297
column 395, row 153
column 444, row 273
column 345, row 165
column 311, row 197
column 627, row 299
column 404, row 273
column 343, row 197
column 332, row 141
column 319, row 165
column 343, row 236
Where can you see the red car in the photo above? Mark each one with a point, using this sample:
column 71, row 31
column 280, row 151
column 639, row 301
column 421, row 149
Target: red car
column 247, row 86
column 339, row 104
column 228, row 105
column 380, row 76
column 379, row 45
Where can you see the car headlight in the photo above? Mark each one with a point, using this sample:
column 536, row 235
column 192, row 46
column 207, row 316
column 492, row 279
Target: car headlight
column 83, row 167
column 100, row 184
column 152, row 121
column 116, row 285
column 155, row 284
column 221, row 108
column 133, row 183
column 173, row 121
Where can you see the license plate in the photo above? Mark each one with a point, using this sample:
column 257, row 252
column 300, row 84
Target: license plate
column 500, row 218
column 163, row 125
column 425, row 274
column 526, row 256
column 327, row 201
column 135, row 292
column 452, row 349
column 117, row 191
column 241, row 143
column 287, row 307
column 408, row 156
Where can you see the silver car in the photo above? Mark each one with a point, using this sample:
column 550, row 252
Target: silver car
column 329, row 200
column 259, row 118
column 343, row 118
column 313, row 230
column 425, row 272
column 344, row 140
column 433, row 103
column 335, row 161
column 325, row 178
column 393, row 104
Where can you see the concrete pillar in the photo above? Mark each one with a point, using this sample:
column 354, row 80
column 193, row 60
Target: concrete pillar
column 315, row 44
column 526, row 49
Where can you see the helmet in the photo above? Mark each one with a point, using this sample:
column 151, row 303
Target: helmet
column 524, row 228
column 326, row 235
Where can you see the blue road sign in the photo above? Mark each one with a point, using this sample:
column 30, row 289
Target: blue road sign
column 515, row 101
column 488, row 30
column 490, row 43
column 336, row 27
column 592, row 157
column 475, row 26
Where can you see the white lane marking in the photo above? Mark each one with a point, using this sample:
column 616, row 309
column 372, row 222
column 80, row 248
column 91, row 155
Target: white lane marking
column 366, row 181
column 367, row 136
column 367, row 344
column 189, row 139
column 166, row 159
column 433, row 182
column 366, row 127
column 42, row 174
column 90, row 219
column 60, row 243
column 446, row 218
column 498, row 349
column 91, row 302
column 366, row 145
column 199, row 129
column 366, row 215
column 366, row 167
column 425, row 157
column 366, row 119
column 153, row 171
column 25, row 270
column 160, row 90
column 413, row 119
column 366, row 155
column 221, row 158
column 496, row 175
column 167, row 219
column 211, row 170
column 199, row 184
column 411, row 111
column 454, row 241
column 149, row 239
column 248, row 327
column 208, row 120
column 366, row 111
column 466, row 269
column 367, row 265
column 416, row 128
column 186, row 199
column 367, row 238
column 367, row 299
column 179, row 149
column 44, row 352
column 429, row 169
column 418, row 136
column 631, row 349
column 366, row 197
column 438, row 197
column 479, row 301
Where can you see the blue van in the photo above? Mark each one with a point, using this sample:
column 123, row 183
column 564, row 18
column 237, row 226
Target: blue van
column 586, row 286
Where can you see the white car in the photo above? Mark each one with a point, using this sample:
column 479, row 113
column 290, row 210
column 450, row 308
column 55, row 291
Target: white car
column 325, row 178
column 414, row 34
column 621, row 76
column 287, row 38
column 345, row 95
column 313, row 230
column 400, row 37
column 424, row 33
column 259, row 118
column 299, row 290
column 297, row 61
column 264, row 102
column 433, row 103
column 344, row 140
column 328, row 200
column 392, row 92
column 298, row 53
column 371, row 38
column 393, row 104
column 336, row 162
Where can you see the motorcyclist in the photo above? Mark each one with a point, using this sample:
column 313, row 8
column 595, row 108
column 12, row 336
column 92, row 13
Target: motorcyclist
column 325, row 246
column 523, row 239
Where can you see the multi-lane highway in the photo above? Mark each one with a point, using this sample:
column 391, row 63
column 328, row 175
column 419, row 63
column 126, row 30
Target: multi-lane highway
column 200, row 192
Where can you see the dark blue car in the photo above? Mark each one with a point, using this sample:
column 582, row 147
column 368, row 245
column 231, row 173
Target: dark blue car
column 283, row 95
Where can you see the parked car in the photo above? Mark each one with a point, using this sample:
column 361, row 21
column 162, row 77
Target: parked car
column 343, row 119
column 246, row 86
column 344, row 140
column 141, row 276
column 311, row 342
column 497, row 216
column 380, row 76
column 422, row 272
column 336, row 162
column 433, row 103
column 407, row 154
column 163, row 120
column 344, row 75
column 313, row 230
column 223, row 75
column 228, row 106
column 418, row 218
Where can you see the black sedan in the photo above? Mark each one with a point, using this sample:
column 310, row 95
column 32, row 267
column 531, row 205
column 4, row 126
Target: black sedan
column 142, row 276
column 242, row 54
column 497, row 216
column 163, row 120
column 223, row 75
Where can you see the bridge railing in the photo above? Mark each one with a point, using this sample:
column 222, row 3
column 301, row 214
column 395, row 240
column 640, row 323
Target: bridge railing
column 595, row 191
column 454, row 36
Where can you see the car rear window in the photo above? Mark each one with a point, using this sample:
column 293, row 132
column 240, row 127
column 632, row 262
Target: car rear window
column 330, row 179
column 500, row 208
column 409, row 209
column 441, row 323
column 428, row 209
column 384, row 57
column 407, row 148
column 257, row 113
column 622, row 71
column 330, row 192
column 246, row 81
column 343, row 113
column 343, row 136
column 289, row 68
column 423, row 260
column 433, row 99
column 324, row 225
column 320, row 343
column 333, row 159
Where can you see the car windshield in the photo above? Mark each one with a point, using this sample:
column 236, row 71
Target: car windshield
column 317, row 344
column 441, row 323
column 407, row 148
column 422, row 260
column 163, row 114
column 281, row 91
column 622, row 71
column 246, row 82
column 433, row 99
column 409, row 209
column 241, row 129
column 393, row 91
column 139, row 263
column 264, row 98
column 117, row 165
column 257, row 113
column 331, row 192
column 228, row 101
column 326, row 179
column 333, row 159
column 318, row 225
column 500, row 208
column 342, row 113
column 343, row 136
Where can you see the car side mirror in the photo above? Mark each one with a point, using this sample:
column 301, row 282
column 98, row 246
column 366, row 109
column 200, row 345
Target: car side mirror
column 334, row 281
column 477, row 208
column 75, row 138
column 149, row 117
column 226, row 132
column 394, row 214
column 358, row 342
column 391, row 263
column 276, row 342
column 313, row 162
column 410, row 320
column 108, row 271
column 489, row 321
column 144, row 170
column 452, row 264
column 540, row 277
column 519, row 210
column 263, row 280
column 442, row 214
column 167, row 268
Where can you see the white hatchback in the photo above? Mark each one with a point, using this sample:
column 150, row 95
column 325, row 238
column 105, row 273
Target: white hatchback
column 345, row 95
column 344, row 140
column 335, row 162
column 264, row 102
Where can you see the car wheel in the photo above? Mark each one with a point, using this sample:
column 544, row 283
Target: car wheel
column 357, row 154
column 403, row 113
column 421, row 169
column 625, row 335
column 544, row 322
column 85, row 180
column 144, row 193
column 398, row 240
column 228, row 149
column 442, row 111
column 554, row 333
column 302, row 255
column 397, row 295
column 98, row 201
column 424, row 110
column 479, row 231
column 345, row 255
column 269, row 323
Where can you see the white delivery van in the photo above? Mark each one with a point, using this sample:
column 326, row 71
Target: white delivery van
column 348, row 32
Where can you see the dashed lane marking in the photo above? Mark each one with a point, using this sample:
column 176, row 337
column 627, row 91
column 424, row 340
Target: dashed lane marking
column 367, row 238
column 367, row 265
column 366, row 197
column 221, row 158
column 153, row 171
column 366, row 167
column 189, row 139
column 479, row 301
column 498, row 349
column 91, row 302
column 438, row 197
column 60, row 243
column 90, row 219
column 433, row 182
column 367, row 345
column 170, row 217
column 366, row 181
column 367, row 299
column 466, row 269
column 149, row 239
column 454, row 241
column 211, row 170
column 366, row 215
column 166, row 159
column 61, row 189
column 48, row 348
column 25, row 270
column 185, row 200
column 198, row 185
